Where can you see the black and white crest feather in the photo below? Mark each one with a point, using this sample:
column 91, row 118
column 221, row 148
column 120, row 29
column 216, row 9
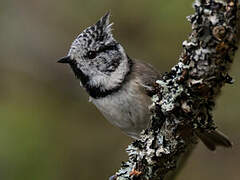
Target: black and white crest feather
column 98, row 33
column 98, row 60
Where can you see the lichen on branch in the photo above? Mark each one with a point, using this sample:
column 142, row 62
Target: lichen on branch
column 184, row 97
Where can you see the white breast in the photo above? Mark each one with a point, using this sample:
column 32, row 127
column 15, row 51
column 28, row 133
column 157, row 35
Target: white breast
column 126, row 109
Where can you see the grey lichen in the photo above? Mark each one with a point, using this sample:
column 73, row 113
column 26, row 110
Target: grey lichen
column 184, row 97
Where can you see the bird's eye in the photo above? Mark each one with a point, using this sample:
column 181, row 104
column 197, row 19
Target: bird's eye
column 91, row 54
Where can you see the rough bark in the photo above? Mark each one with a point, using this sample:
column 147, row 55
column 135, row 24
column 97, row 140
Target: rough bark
column 185, row 97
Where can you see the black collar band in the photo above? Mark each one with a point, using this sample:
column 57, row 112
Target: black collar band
column 98, row 92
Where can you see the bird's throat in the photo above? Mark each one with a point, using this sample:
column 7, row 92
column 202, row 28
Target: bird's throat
column 100, row 90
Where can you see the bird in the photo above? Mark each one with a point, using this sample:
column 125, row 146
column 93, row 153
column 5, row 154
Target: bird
column 119, row 86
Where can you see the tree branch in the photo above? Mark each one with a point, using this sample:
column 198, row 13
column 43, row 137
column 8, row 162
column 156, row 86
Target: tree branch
column 184, row 98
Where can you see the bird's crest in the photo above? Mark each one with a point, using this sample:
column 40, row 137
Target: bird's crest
column 99, row 32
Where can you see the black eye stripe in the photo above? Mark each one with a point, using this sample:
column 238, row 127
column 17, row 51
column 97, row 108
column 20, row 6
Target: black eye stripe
column 107, row 48
column 93, row 54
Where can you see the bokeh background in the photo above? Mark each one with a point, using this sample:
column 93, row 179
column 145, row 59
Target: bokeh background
column 48, row 129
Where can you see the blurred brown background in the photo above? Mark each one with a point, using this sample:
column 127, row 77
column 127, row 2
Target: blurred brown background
column 48, row 130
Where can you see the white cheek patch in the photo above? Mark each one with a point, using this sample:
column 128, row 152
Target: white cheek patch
column 121, row 49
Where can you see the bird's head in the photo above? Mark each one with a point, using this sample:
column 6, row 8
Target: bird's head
column 96, row 58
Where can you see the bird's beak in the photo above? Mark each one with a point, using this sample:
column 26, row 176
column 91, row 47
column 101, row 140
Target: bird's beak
column 64, row 60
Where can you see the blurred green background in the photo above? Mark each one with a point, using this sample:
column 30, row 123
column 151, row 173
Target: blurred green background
column 48, row 129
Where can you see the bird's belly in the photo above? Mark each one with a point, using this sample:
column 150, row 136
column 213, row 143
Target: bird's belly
column 127, row 111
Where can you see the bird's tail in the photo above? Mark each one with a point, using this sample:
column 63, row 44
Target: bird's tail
column 214, row 138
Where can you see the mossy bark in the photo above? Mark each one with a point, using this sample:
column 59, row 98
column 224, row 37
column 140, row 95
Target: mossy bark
column 185, row 97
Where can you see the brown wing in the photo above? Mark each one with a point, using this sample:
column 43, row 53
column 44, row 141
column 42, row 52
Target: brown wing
column 146, row 75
